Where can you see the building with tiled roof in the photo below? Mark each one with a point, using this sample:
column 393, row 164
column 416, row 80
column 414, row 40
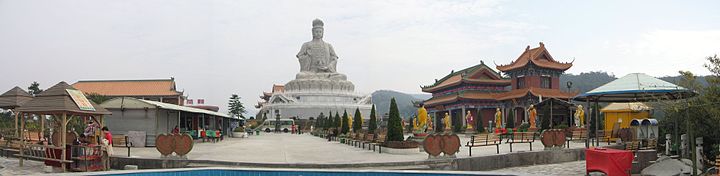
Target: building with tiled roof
column 265, row 97
column 162, row 90
column 480, row 89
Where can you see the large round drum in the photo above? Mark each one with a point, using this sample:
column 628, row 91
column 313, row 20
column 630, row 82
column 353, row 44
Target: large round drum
column 432, row 145
column 183, row 144
column 165, row 144
column 450, row 144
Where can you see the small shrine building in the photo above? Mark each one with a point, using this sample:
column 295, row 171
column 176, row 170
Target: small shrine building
column 534, row 75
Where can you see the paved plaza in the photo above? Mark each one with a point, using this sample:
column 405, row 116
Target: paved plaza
column 291, row 148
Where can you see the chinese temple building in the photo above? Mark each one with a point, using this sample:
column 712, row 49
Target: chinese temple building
column 534, row 75
column 265, row 97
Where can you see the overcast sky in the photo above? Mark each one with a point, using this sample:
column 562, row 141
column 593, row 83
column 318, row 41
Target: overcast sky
column 215, row 48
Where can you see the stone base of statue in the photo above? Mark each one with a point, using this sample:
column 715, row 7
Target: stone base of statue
column 532, row 129
column 470, row 131
column 318, row 93
column 419, row 138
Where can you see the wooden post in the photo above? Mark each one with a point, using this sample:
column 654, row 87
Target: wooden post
column 42, row 127
column 587, row 125
column 63, row 137
column 551, row 113
column 22, row 138
column 596, row 111
column 17, row 133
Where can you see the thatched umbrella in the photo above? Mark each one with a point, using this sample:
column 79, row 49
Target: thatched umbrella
column 12, row 99
column 60, row 100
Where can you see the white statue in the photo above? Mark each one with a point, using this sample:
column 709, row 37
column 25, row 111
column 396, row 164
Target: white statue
column 317, row 58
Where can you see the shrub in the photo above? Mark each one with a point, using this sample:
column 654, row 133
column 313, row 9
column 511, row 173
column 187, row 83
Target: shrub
column 511, row 119
column 524, row 127
column 357, row 121
column 479, row 127
column 395, row 132
column 561, row 126
column 344, row 129
column 373, row 120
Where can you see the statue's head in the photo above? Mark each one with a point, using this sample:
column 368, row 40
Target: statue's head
column 317, row 30
column 497, row 109
column 579, row 107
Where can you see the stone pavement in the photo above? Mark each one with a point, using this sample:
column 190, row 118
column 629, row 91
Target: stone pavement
column 10, row 166
column 559, row 169
column 290, row 148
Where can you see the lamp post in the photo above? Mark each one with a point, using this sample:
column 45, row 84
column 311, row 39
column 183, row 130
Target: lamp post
column 277, row 120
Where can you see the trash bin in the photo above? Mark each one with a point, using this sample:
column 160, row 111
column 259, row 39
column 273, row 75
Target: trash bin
column 257, row 132
column 608, row 161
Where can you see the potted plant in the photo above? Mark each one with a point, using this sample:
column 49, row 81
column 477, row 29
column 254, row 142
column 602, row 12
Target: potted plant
column 239, row 132
column 395, row 143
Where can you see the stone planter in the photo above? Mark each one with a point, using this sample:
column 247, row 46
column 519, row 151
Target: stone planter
column 238, row 134
column 400, row 151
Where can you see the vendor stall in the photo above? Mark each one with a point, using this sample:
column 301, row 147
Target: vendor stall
column 60, row 104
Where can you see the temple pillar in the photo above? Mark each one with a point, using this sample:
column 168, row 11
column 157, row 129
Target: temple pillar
column 464, row 114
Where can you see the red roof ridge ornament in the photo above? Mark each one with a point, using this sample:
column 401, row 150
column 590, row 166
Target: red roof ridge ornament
column 538, row 56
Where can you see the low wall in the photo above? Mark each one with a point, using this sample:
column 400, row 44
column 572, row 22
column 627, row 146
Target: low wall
column 148, row 163
column 492, row 162
column 479, row 163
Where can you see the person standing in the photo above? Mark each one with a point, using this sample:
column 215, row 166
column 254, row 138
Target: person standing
column 176, row 130
column 107, row 144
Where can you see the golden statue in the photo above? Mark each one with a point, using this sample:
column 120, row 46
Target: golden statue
column 532, row 112
column 350, row 121
column 580, row 116
column 429, row 124
column 498, row 118
column 447, row 122
column 415, row 124
column 469, row 120
column 422, row 117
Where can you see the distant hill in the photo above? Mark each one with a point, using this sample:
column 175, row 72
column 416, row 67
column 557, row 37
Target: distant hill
column 588, row 81
column 585, row 81
column 381, row 99
column 676, row 79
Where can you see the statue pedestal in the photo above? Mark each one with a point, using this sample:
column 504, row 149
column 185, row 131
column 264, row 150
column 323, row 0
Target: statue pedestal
column 470, row 132
column 532, row 129
column 419, row 138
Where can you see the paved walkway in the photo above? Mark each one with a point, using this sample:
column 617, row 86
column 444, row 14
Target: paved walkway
column 559, row 169
column 289, row 148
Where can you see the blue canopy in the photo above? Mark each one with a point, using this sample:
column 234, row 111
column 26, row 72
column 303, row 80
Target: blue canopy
column 636, row 87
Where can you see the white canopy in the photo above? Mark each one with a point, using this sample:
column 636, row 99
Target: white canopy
column 636, row 87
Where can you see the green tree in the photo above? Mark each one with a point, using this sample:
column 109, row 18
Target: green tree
column 97, row 98
column 395, row 132
column 319, row 122
column 345, row 121
column 235, row 107
column 329, row 122
column 357, row 121
column 34, row 89
column 337, row 121
column 511, row 119
column 479, row 122
column 373, row 120
column 700, row 114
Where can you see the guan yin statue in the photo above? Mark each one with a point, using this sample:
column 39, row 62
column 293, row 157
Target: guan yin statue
column 318, row 87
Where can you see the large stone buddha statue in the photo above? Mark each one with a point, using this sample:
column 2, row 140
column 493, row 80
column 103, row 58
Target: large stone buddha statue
column 317, row 57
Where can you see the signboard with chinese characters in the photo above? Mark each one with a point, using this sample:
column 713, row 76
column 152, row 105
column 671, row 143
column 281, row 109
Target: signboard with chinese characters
column 80, row 100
